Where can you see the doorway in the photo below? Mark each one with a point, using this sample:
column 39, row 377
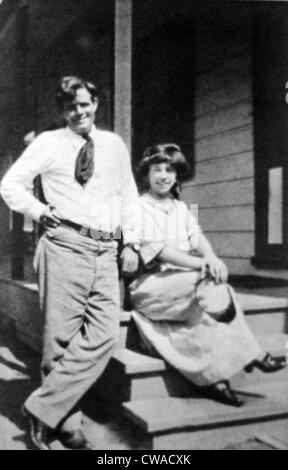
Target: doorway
column 270, row 77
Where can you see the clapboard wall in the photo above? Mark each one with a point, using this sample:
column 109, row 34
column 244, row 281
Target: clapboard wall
column 223, row 137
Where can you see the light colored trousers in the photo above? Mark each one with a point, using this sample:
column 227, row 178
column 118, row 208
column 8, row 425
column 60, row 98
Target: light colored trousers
column 79, row 297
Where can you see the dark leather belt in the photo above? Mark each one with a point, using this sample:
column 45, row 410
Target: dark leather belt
column 87, row 231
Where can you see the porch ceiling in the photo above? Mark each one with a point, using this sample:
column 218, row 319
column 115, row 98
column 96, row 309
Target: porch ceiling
column 48, row 20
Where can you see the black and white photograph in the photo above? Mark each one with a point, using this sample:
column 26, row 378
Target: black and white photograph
column 144, row 227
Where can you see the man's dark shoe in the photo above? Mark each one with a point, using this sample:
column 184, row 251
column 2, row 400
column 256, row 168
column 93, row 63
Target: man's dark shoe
column 39, row 432
column 74, row 440
column 267, row 365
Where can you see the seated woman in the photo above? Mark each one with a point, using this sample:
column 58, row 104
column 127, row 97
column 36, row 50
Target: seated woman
column 183, row 307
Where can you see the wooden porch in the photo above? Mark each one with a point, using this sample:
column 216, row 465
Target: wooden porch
column 156, row 402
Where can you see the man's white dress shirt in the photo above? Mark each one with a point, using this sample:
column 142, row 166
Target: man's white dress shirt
column 109, row 198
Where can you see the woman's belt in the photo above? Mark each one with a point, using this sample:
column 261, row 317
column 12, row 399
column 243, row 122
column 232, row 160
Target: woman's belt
column 88, row 232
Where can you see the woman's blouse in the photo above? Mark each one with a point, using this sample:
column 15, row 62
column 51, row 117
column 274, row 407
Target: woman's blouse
column 166, row 224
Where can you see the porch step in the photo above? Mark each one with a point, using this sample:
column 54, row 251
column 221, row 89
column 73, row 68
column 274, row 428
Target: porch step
column 276, row 345
column 268, row 324
column 132, row 362
column 254, row 303
column 134, row 376
column 266, row 315
column 196, row 423
column 256, row 377
column 140, row 376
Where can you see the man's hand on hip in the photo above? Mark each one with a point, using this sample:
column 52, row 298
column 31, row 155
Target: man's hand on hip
column 50, row 217
column 130, row 261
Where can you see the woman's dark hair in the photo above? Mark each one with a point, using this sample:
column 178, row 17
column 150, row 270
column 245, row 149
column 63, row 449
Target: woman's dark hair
column 67, row 89
column 163, row 153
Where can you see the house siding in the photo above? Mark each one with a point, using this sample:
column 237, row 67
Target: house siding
column 223, row 185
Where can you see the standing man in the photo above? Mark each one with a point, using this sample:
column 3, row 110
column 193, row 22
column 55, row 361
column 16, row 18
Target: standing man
column 90, row 192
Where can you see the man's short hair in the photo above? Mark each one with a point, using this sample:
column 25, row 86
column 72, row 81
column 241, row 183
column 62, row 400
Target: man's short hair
column 67, row 89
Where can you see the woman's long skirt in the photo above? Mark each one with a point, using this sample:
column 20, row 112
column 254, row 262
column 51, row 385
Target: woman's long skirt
column 171, row 316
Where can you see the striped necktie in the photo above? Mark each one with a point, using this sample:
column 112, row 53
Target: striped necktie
column 84, row 166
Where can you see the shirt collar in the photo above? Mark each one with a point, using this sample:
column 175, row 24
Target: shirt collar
column 76, row 138
column 168, row 207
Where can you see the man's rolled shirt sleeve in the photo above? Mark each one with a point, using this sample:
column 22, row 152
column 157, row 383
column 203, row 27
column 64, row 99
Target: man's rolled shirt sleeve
column 18, row 181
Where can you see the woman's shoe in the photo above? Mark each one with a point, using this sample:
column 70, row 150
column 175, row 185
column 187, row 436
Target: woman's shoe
column 223, row 393
column 267, row 365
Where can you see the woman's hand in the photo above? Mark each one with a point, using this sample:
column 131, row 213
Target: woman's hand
column 212, row 265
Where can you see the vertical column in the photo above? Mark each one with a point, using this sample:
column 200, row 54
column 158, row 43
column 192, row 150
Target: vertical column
column 17, row 234
column 123, row 68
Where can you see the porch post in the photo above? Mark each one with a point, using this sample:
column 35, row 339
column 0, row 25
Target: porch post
column 123, row 68
column 17, row 234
